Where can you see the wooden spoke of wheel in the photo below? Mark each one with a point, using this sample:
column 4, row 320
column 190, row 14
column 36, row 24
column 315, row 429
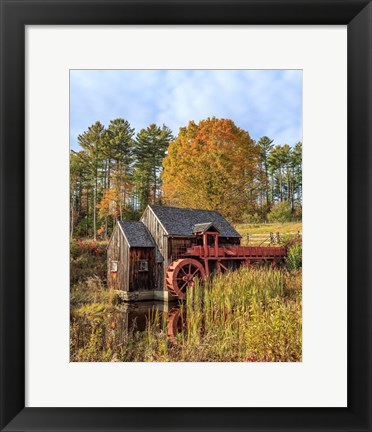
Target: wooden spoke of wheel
column 181, row 274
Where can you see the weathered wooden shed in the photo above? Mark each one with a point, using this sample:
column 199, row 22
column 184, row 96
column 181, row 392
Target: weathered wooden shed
column 139, row 253
column 131, row 261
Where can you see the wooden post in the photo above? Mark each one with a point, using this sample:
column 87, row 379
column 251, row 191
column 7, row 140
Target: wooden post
column 278, row 237
column 206, row 265
column 216, row 245
column 272, row 240
column 205, row 244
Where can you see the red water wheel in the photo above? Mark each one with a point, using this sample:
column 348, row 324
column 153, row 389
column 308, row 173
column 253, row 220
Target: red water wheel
column 181, row 274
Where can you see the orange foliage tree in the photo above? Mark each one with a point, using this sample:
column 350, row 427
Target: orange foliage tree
column 109, row 204
column 212, row 165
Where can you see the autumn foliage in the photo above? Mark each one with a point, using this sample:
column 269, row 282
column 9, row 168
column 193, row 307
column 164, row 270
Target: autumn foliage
column 212, row 165
column 91, row 247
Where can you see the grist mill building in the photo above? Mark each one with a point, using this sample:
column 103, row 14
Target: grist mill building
column 139, row 253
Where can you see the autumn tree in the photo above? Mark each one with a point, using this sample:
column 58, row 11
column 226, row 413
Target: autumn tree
column 212, row 165
column 109, row 205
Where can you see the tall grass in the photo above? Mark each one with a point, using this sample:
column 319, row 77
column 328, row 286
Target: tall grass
column 294, row 257
column 87, row 259
column 246, row 315
column 88, row 273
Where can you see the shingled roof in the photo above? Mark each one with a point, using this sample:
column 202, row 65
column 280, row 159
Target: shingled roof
column 136, row 234
column 181, row 221
column 203, row 227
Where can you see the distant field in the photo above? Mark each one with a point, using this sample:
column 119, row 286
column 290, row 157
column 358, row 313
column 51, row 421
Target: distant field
column 291, row 228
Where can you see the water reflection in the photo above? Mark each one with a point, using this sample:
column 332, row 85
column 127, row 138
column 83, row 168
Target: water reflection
column 135, row 316
column 109, row 329
column 176, row 323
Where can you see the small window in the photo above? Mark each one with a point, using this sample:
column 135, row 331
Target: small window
column 114, row 266
column 143, row 265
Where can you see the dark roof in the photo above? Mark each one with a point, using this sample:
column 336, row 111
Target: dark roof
column 181, row 221
column 136, row 234
column 203, row 227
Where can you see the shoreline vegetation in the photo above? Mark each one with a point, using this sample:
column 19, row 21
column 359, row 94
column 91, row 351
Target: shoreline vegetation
column 249, row 315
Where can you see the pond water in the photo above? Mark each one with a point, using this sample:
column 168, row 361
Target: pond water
column 100, row 330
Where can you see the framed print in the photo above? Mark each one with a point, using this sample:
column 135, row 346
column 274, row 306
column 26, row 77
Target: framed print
column 151, row 231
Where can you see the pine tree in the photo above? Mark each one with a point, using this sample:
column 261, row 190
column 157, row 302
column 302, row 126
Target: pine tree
column 118, row 149
column 92, row 142
column 76, row 170
column 266, row 145
column 151, row 145
column 296, row 162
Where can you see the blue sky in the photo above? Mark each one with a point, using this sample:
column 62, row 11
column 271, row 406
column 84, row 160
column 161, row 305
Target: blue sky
column 262, row 102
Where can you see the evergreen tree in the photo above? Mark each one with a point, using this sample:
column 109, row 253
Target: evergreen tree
column 296, row 160
column 75, row 190
column 119, row 146
column 275, row 170
column 92, row 142
column 266, row 145
column 150, row 148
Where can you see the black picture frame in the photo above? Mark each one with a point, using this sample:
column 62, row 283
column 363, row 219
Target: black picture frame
column 15, row 15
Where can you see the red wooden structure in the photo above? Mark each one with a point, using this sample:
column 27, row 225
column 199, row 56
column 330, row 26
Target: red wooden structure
column 202, row 260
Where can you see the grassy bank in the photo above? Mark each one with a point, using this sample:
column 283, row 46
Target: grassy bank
column 88, row 272
column 247, row 315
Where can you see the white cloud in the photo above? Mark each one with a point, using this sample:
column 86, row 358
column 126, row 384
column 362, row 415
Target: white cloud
column 262, row 102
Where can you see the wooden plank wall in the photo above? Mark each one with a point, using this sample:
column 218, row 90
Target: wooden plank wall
column 160, row 236
column 141, row 280
column 118, row 250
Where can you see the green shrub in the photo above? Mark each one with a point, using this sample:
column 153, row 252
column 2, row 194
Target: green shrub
column 297, row 213
column 281, row 212
column 254, row 218
column 74, row 249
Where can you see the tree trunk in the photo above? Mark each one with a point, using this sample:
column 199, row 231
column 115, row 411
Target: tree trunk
column 94, row 215
column 120, row 207
column 72, row 218
column 267, row 186
column 108, row 172
column 94, row 206
column 155, row 183
column 87, row 231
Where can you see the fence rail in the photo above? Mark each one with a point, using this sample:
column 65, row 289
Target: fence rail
column 269, row 239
